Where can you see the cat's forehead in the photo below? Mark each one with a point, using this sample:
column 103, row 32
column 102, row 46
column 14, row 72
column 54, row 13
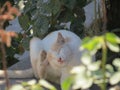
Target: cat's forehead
column 56, row 46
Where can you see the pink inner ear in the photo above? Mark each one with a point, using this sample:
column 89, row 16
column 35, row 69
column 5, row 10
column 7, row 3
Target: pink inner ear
column 59, row 34
column 60, row 60
column 60, row 38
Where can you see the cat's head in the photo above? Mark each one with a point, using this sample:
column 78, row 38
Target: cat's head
column 60, row 52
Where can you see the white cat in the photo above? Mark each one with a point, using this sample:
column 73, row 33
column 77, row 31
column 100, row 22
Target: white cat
column 52, row 58
column 62, row 53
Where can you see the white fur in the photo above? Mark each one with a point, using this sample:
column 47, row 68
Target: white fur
column 55, row 71
column 69, row 52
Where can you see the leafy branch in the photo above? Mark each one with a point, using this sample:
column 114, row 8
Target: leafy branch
column 7, row 12
column 97, row 72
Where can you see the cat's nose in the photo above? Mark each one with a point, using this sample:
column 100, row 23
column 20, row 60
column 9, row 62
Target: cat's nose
column 60, row 60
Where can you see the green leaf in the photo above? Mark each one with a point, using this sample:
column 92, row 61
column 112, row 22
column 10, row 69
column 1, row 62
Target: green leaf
column 109, row 68
column 113, row 47
column 24, row 22
column 46, row 84
column 82, row 78
column 32, row 82
column 36, row 87
column 30, row 6
column 40, row 26
column 116, row 62
column 48, row 7
column 94, row 66
column 97, row 74
column 112, row 38
column 115, row 78
column 66, row 85
column 25, row 43
column 85, row 41
column 82, row 82
column 24, row 84
column 92, row 44
column 86, row 59
column 78, row 69
column 66, row 16
column 69, row 3
column 17, row 87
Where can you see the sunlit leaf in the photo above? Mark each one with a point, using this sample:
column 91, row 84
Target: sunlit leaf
column 112, row 38
column 32, row 82
column 113, row 47
column 21, row 4
column 24, row 83
column 36, row 87
column 46, row 84
column 109, row 68
column 94, row 66
column 88, row 84
column 92, row 44
column 82, row 82
column 85, row 41
column 78, row 69
column 86, row 59
column 17, row 87
column 116, row 62
column 98, row 81
column 115, row 78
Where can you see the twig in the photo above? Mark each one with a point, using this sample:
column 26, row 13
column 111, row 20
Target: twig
column 4, row 65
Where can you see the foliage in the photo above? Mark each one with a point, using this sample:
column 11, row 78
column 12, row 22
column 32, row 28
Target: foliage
column 98, row 72
column 89, row 72
column 46, row 16
column 7, row 12
column 32, row 85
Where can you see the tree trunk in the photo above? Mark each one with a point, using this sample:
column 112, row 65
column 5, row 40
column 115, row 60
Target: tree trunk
column 113, row 14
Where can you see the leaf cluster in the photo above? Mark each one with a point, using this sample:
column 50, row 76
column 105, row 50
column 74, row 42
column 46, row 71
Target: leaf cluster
column 33, row 85
column 41, row 17
column 7, row 13
column 92, row 72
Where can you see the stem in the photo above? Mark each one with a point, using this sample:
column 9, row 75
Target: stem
column 4, row 65
column 104, row 58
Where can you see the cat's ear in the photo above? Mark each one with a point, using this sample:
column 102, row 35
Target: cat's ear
column 43, row 55
column 60, row 38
